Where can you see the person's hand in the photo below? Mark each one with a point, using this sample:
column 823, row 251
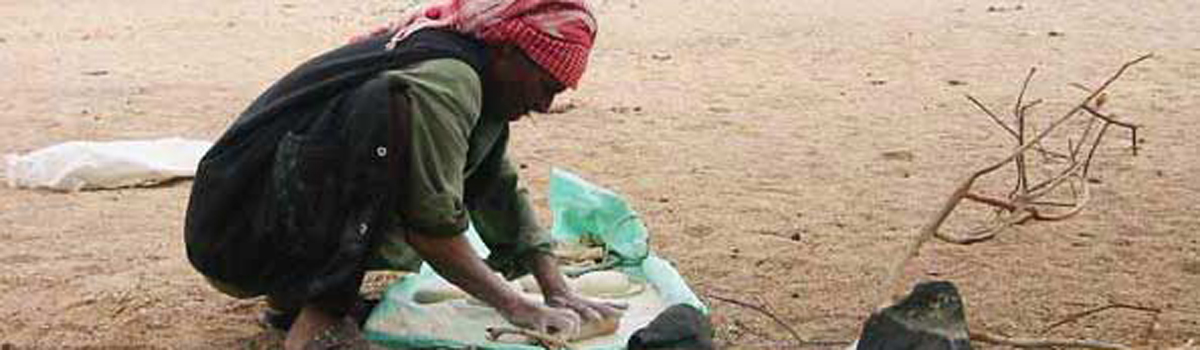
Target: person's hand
column 543, row 319
column 589, row 310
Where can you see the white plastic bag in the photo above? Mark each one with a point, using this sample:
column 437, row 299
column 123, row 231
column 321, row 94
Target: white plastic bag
column 80, row 165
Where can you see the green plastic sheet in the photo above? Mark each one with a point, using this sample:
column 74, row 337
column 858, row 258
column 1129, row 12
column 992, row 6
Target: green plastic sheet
column 582, row 212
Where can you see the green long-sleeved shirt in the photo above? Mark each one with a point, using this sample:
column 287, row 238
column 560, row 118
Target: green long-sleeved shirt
column 458, row 172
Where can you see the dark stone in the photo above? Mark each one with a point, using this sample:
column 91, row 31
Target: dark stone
column 679, row 327
column 932, row 317
column 900, row 155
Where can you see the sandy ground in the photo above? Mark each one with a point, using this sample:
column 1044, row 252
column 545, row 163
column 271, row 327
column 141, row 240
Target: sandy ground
column 782, row 152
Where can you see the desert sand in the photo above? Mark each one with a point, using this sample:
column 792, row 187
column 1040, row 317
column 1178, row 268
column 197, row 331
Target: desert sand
column 781, row 153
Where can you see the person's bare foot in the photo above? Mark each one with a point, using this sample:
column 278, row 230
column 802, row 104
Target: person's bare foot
column 279, row 316
column 311, row 323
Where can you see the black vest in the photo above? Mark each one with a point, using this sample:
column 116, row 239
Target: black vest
column 291, row 198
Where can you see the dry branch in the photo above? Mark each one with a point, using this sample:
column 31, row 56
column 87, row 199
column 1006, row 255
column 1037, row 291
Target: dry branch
column 963, row 190
column 1024, row 196
column 1021, row 205
column 1133, row 129
column 764, row 311
column 989, row 113
column 1078, row 315
column 1023, row 343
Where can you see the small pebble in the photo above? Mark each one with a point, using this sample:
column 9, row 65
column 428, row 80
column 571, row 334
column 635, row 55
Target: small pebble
column 901, row 155
column 1004, row 9
column 720, row 110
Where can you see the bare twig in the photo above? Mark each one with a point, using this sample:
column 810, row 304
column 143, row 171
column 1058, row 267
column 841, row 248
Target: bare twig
column 1082, row 197
column 1054, row 204
column 544, row 340
column 1021, row 96
column 1080, row 87
column 995, row 202
column 764, row 311
column 1022, row 175
column 1053, row 155
column 1132, row 127
column 989, row 338
column 1025, row 109
column 1083, row 137
column 987, row 232
column 1047, row 185
column 963, row 190
column 1107, row 118
column 1078, row 315
column 996, row 119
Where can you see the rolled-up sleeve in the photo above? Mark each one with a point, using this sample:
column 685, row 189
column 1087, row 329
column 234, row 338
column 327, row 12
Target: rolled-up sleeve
column 445, row 99
column 500, row 209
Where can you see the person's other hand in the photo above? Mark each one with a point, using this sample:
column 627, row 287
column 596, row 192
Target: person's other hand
column 544, row 319
column 589, row 310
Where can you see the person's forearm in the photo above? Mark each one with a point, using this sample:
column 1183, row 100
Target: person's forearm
column 545, row 269
column 454, row 259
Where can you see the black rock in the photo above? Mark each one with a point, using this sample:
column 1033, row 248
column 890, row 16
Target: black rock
column 679, row 327
column 932, row 317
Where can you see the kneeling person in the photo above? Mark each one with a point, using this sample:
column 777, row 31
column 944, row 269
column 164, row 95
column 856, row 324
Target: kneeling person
column 377, row 154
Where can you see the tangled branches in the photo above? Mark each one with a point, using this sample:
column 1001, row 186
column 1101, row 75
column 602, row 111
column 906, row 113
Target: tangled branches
column 1027, row 201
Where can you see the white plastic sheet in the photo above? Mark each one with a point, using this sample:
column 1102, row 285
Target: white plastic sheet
column 83, row 165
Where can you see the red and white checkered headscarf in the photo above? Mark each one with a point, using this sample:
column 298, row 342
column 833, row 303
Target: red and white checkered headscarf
column 557, row 34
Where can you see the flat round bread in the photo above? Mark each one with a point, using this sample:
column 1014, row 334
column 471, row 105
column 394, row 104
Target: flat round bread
column 606, row 284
